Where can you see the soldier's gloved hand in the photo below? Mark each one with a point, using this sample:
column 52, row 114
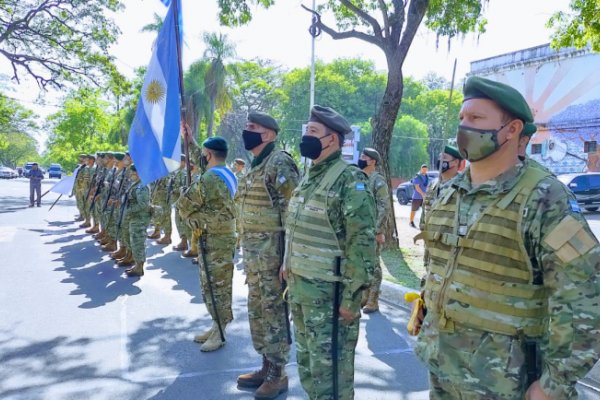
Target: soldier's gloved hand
column 282, row 274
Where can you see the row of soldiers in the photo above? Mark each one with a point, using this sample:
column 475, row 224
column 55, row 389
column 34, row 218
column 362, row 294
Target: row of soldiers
column 333, row 216
column 114, row 205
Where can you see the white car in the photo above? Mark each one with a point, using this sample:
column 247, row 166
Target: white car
column 8, row 173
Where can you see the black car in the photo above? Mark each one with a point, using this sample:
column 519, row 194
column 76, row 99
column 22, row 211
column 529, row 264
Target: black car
column 405, row 190
column 586, row 187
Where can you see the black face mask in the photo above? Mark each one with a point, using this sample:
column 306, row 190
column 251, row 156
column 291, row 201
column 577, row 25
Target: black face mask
column 362, row 164
column 203, row 162
column 443, row 166
column 251, row 139
column 311, row 146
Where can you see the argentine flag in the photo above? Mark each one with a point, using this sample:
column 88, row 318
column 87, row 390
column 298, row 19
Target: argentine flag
column 154, row 140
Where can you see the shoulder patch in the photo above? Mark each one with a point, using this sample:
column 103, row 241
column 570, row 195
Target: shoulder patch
column 569, row 239
column 360, row 186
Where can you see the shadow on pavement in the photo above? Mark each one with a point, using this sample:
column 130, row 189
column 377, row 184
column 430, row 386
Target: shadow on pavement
column 98, row 280
column 9, row 204
column 180, row 270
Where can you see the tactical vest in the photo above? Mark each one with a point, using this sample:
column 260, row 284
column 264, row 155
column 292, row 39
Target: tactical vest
column 483, row 278
column 258, row 213
column 312, row 245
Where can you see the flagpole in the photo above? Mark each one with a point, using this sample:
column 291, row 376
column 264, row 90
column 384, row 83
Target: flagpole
column 55, row 201
column 186, row 143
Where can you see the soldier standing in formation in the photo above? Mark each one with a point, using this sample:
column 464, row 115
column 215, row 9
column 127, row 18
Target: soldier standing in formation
column 264, row 194
column 368, row 162
column 511, row 290
column 120, row 186
column 78, row 189
column 180, row 181
column 137, row 216
column 92, row 172
column 330, row 256
column 239, row 168
column 207, row 206
column 102, row 168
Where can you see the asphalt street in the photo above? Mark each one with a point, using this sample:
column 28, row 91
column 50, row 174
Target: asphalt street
column 73, row 326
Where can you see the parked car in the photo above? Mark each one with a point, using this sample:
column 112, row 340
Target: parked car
column 55, row 171
column 8, row 173
column 586, row 187
column 27, row 168
column 405, row 190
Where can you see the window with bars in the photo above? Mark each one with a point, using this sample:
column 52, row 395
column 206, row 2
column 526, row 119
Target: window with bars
column 536, row 148
column 590, row 146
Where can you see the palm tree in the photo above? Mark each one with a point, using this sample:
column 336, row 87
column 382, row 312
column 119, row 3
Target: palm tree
column 196, row 100
column 218, row 49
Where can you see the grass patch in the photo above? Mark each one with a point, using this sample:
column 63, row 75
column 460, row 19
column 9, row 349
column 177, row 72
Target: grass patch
column 405, row 267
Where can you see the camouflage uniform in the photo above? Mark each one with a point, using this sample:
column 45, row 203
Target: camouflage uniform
column 208, row 206
column 118, row 188
column 379, row 188
column 510, row 259
column 82, row 179
column 137, row 217
column 344, row 228
column 108, row 192
column 179, row 182
column 263, row 199
column 97, row 190
column 159, row 198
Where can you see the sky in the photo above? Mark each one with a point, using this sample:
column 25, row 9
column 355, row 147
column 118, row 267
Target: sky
column 281, row 34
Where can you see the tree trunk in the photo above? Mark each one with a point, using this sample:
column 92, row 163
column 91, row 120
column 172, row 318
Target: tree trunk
column 211, row 119
column 383, row 127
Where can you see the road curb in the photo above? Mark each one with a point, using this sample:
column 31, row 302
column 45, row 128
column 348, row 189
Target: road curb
column 394, row 293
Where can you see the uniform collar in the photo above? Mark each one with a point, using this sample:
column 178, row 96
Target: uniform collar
column 263, row 154
column 325, row 164
column 501, row 184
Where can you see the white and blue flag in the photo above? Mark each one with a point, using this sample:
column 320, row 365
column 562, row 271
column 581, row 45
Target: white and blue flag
column 166, row 2
column 154, row 140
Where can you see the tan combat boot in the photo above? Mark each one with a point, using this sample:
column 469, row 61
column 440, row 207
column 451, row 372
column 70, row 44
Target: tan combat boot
column 165, row 239
column 365, row 297
column 193, row 251
column 203, row 337
column 156, row 233
column 182, row 246
column 127, row 261
column 274, row 384
column 137, row 270
column 93, row 229
column 256, row 378
column 214, row 341
column 115, row 255
column 99, row 235
column 86, row 224
column 110, row 246
column 373, row 303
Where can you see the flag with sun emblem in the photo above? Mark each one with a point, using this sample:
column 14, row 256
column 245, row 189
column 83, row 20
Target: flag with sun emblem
column 154, row 140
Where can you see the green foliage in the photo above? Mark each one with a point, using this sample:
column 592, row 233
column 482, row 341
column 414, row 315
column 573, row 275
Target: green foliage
column 237, row 12
column 16, row 125
column 578, row 28
column 60, row 40
column 82, row 126
column 408, row 148
column 451, row 18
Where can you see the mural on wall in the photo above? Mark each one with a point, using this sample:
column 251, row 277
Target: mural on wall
column 563, row 91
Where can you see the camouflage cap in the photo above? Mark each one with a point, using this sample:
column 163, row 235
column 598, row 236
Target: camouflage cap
column 263, row 119
column 331, row 119
column 506, row 97
column 119, row 155
column 371, row 152
column 453, row 151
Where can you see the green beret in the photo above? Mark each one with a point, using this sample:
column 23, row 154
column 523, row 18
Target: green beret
column 109, row 154
column 216, row 143
column 119, row 155
column 93, row 157
column 127, row 154
column 453, row 151
column 83, row 155
column 263, row 119
column 508, row 98
column 132, row 168
column 331, row 119
column 182, row 157
column 100, row 154
column 374, row 154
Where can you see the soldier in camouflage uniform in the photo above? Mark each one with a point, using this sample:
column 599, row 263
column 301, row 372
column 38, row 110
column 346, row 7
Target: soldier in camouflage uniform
column 103, row 170
column 512, row 286
column 162, row 214
column 98, row 177
column 108, row 243
column 368, row 162
column 78, row 189
column 264, row 194
column 180, row 182
column 207, row 206
column 113, row 199
column 330, row 221
column 239, row 168
column 127, row 259
column 137, row 211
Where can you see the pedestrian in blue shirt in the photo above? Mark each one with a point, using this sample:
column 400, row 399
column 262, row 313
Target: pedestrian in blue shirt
column 35, row 185
column 420, row 181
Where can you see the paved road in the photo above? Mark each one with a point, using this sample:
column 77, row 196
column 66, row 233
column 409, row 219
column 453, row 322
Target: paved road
column 73, row 327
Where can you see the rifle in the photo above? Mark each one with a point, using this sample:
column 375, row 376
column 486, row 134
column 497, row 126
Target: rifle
column 335, row 326
column 87, row 195
column 110, row 187
column 112, row 207
column 122, row 211
column 169, row 190
column 283, row 286
column 209, row 283
column 98, row 188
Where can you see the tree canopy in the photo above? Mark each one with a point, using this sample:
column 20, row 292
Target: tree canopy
column 578, row 28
